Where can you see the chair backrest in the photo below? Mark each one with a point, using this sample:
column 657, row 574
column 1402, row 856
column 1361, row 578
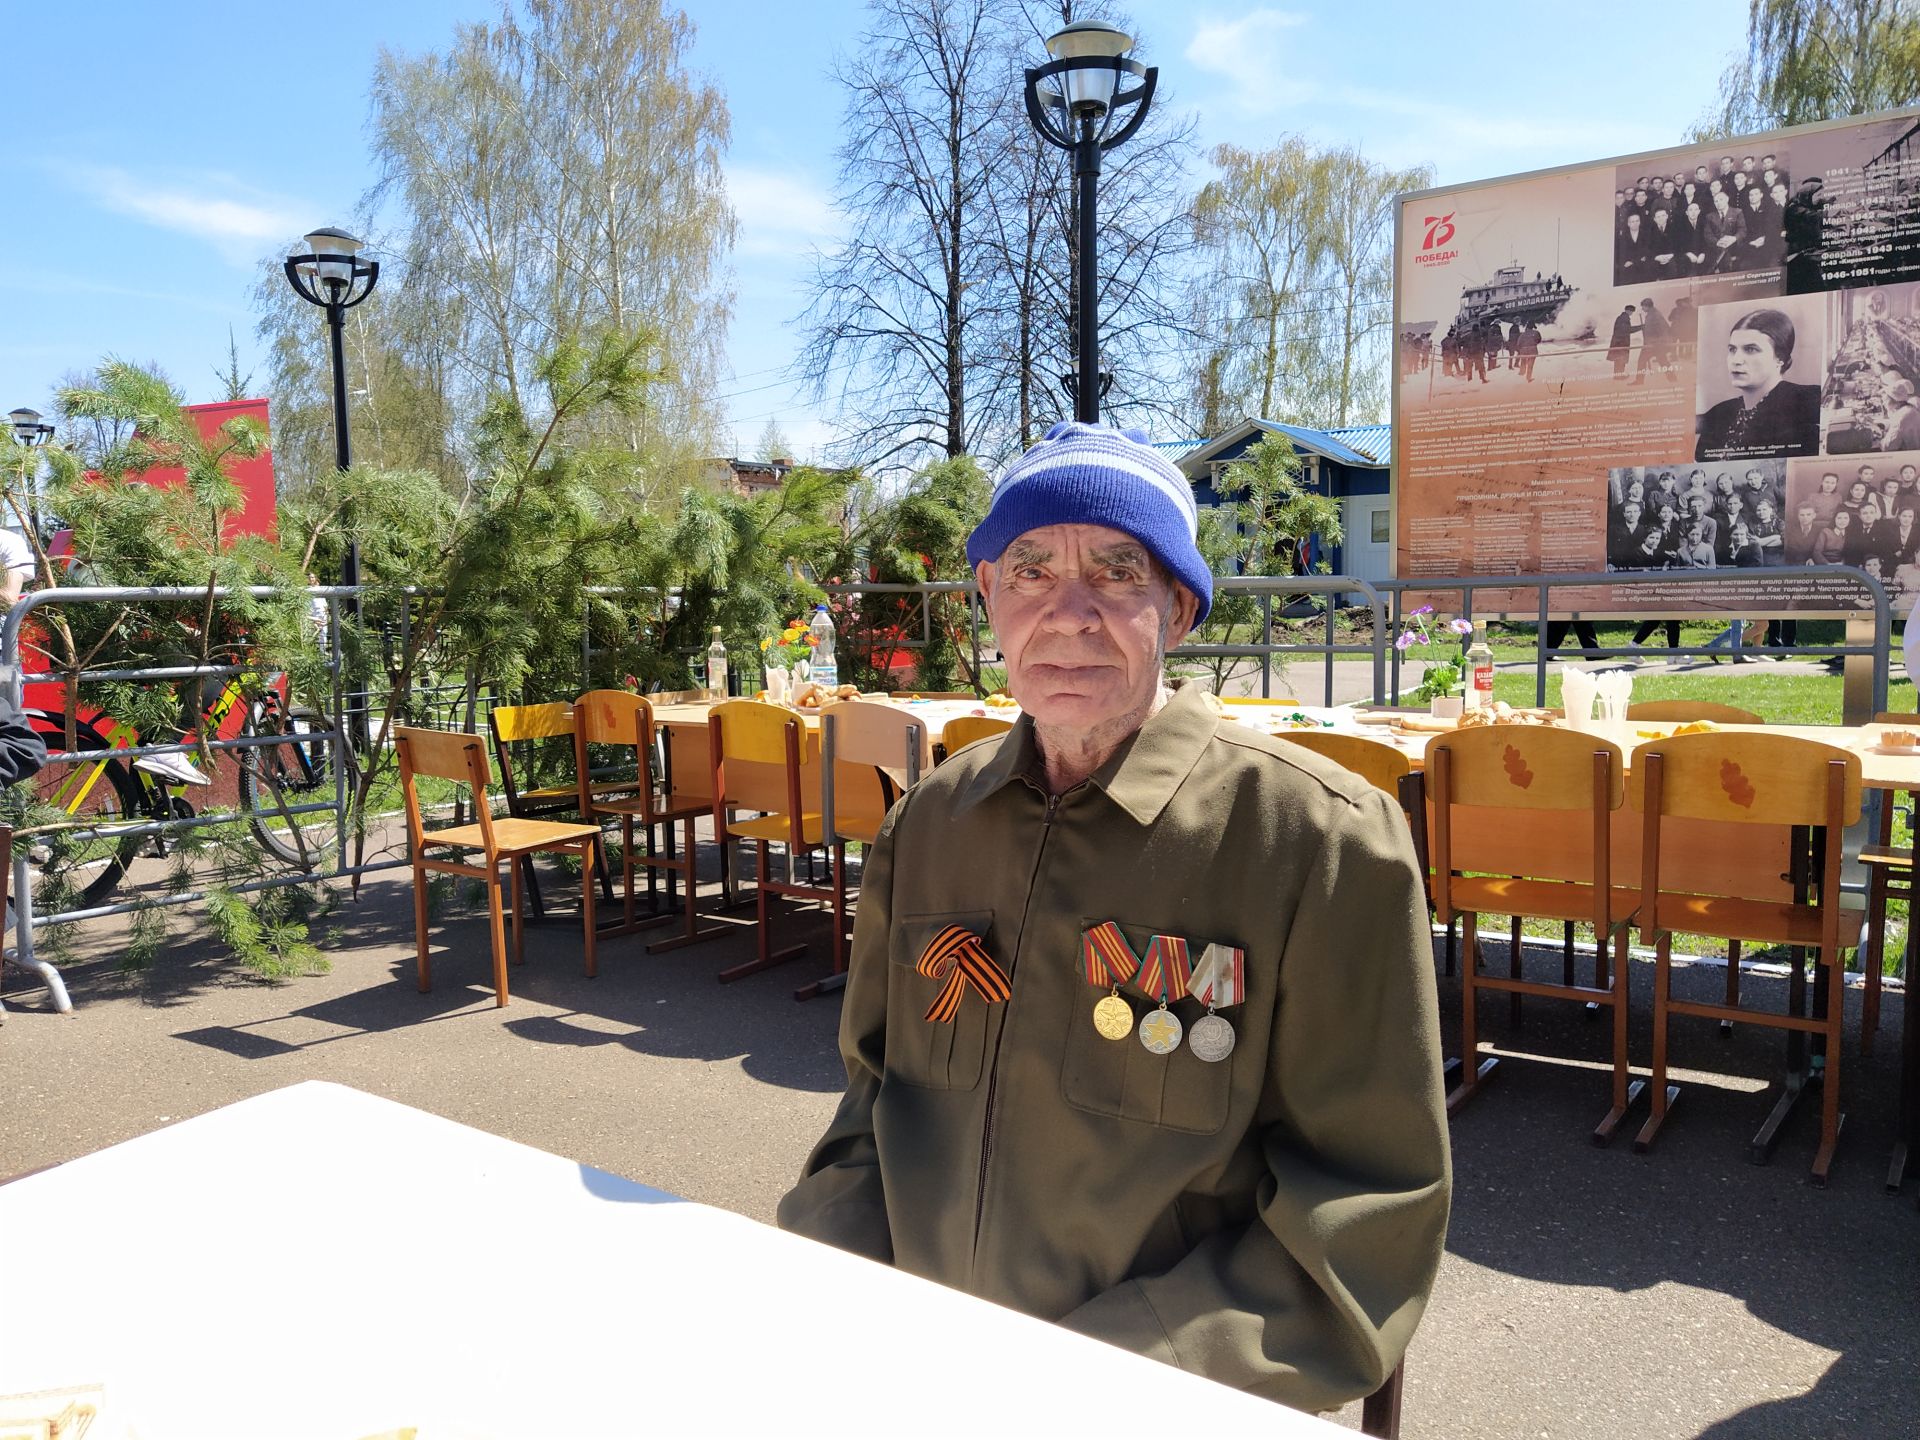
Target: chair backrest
column 614, row 718
column 871, row 752
column 456, row 755
column 963, row 730
column 1687, row 711
column 1474, row 774
column 1381, row 765
column 511, row 724
column 1256, row 700
column 1745, row 778
column 757, row 752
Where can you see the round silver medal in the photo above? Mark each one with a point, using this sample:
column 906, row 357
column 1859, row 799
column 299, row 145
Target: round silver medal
column 1160, row 1031
column 1211, row 1038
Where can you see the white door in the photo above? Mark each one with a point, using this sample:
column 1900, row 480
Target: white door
column 1367, row 552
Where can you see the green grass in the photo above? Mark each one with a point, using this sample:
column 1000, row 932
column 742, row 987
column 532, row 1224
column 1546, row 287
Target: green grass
column 1777, row 699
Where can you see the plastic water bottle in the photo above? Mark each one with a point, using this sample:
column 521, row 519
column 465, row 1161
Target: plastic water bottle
column 717, row 665
column 826, row 669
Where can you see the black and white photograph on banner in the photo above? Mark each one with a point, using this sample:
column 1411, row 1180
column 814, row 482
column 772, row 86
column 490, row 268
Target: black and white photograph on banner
column 1712, row 213
column 1870, row 399
column 1853, row 212
column 1752, row 400
column 1647, row 340
column 1696, row 517
column 1859, row 511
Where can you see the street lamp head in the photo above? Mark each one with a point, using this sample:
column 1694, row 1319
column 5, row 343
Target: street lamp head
column 1090, row 88
column 332, row 273
column 1077, row 96
column 27, row 426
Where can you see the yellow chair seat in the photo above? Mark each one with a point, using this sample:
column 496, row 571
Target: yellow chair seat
column 1539, row 899
column 511, row 836
column 663, row 806
column 1894, row 857
column 775, row 828
column 1777, row 923
column 572, row 792
column 859, row 827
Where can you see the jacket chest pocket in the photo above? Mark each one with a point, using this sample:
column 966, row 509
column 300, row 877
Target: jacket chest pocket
column 933, row 1054
column 1123, row 1078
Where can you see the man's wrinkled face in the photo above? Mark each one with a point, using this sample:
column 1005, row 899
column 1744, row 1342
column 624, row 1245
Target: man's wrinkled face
column 1084, row 616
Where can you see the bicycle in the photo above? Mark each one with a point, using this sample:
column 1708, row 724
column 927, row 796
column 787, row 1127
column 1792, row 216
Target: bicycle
column 281, row 788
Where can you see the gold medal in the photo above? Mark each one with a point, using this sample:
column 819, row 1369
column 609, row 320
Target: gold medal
column 1160, row 1031
column 1113, row 1017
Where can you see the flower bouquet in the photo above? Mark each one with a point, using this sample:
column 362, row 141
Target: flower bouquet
column 1440, row 650
column 787, row 659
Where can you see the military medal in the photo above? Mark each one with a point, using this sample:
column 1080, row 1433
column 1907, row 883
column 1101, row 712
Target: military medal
column 1219, row 979
column 1113, row 1017
column 1109, row 961
column 1212, row 1038
column 1163, row 977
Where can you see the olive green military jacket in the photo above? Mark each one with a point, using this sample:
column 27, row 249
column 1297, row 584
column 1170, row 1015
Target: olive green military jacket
column 1272, row 1221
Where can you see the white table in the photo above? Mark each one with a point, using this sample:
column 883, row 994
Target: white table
column 318, row 1261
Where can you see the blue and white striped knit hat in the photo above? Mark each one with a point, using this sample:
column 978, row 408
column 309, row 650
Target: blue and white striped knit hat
column 1082, row 474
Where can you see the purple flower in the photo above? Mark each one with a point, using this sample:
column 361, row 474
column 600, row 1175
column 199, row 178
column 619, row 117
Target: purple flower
column 1424, row 610
column 1405, row 642
column 1460, row 627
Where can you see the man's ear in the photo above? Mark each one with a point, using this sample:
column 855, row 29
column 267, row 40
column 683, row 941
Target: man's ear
column 1186, row 605
column 984, row 575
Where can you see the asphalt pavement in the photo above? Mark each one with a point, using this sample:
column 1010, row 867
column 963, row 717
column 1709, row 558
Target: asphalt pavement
column 1585, row 1292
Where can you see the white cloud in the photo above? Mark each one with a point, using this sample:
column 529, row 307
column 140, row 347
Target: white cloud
column 780, row 213
column 1253, row 55
column 239, row 222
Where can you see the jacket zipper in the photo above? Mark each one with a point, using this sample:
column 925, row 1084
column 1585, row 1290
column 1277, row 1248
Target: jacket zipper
column 993, row 1071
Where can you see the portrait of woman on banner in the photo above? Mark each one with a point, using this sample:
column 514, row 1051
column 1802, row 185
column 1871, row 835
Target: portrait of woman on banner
column 1769, row 415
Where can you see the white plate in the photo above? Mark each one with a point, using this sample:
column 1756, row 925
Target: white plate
column 1885, row 749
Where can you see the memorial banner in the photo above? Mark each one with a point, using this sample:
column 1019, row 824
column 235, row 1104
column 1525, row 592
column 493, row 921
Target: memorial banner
column 1706, row 358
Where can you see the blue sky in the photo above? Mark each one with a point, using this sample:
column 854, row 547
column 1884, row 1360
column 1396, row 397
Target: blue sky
column 159, row 152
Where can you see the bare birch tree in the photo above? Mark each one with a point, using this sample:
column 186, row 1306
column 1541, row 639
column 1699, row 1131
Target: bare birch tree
column 896, row 327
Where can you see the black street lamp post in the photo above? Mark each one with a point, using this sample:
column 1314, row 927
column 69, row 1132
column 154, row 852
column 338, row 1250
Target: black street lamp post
column 333, row 276
column 1080, row 111
column 30, row 430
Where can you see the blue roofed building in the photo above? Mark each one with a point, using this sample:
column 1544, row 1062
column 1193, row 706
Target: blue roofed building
column 1352, row 464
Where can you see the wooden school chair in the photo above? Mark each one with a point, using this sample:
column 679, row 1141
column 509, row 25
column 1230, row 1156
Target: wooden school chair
column 1552, row 863
column 460, row 757
column 1256, row 700
column 871, row 753
column 522, row 728
column 963, row 730
column 1804, row 787
column 1383, row 766
column 621, row 720
column 764, row 760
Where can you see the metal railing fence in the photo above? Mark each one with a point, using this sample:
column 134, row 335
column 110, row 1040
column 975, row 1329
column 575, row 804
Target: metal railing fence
column 1877, row 651
column 1263, row 589
column 1385, row 602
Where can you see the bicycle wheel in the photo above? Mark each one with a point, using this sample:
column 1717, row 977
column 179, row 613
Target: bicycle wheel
column 105, row 794
column 278, row 782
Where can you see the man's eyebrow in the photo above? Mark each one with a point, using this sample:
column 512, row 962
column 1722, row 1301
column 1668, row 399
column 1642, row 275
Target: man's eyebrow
column 1024, row 552
column 1123, row 554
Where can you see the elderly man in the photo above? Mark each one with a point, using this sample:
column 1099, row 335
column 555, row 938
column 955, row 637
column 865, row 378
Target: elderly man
column 1140, row 1028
